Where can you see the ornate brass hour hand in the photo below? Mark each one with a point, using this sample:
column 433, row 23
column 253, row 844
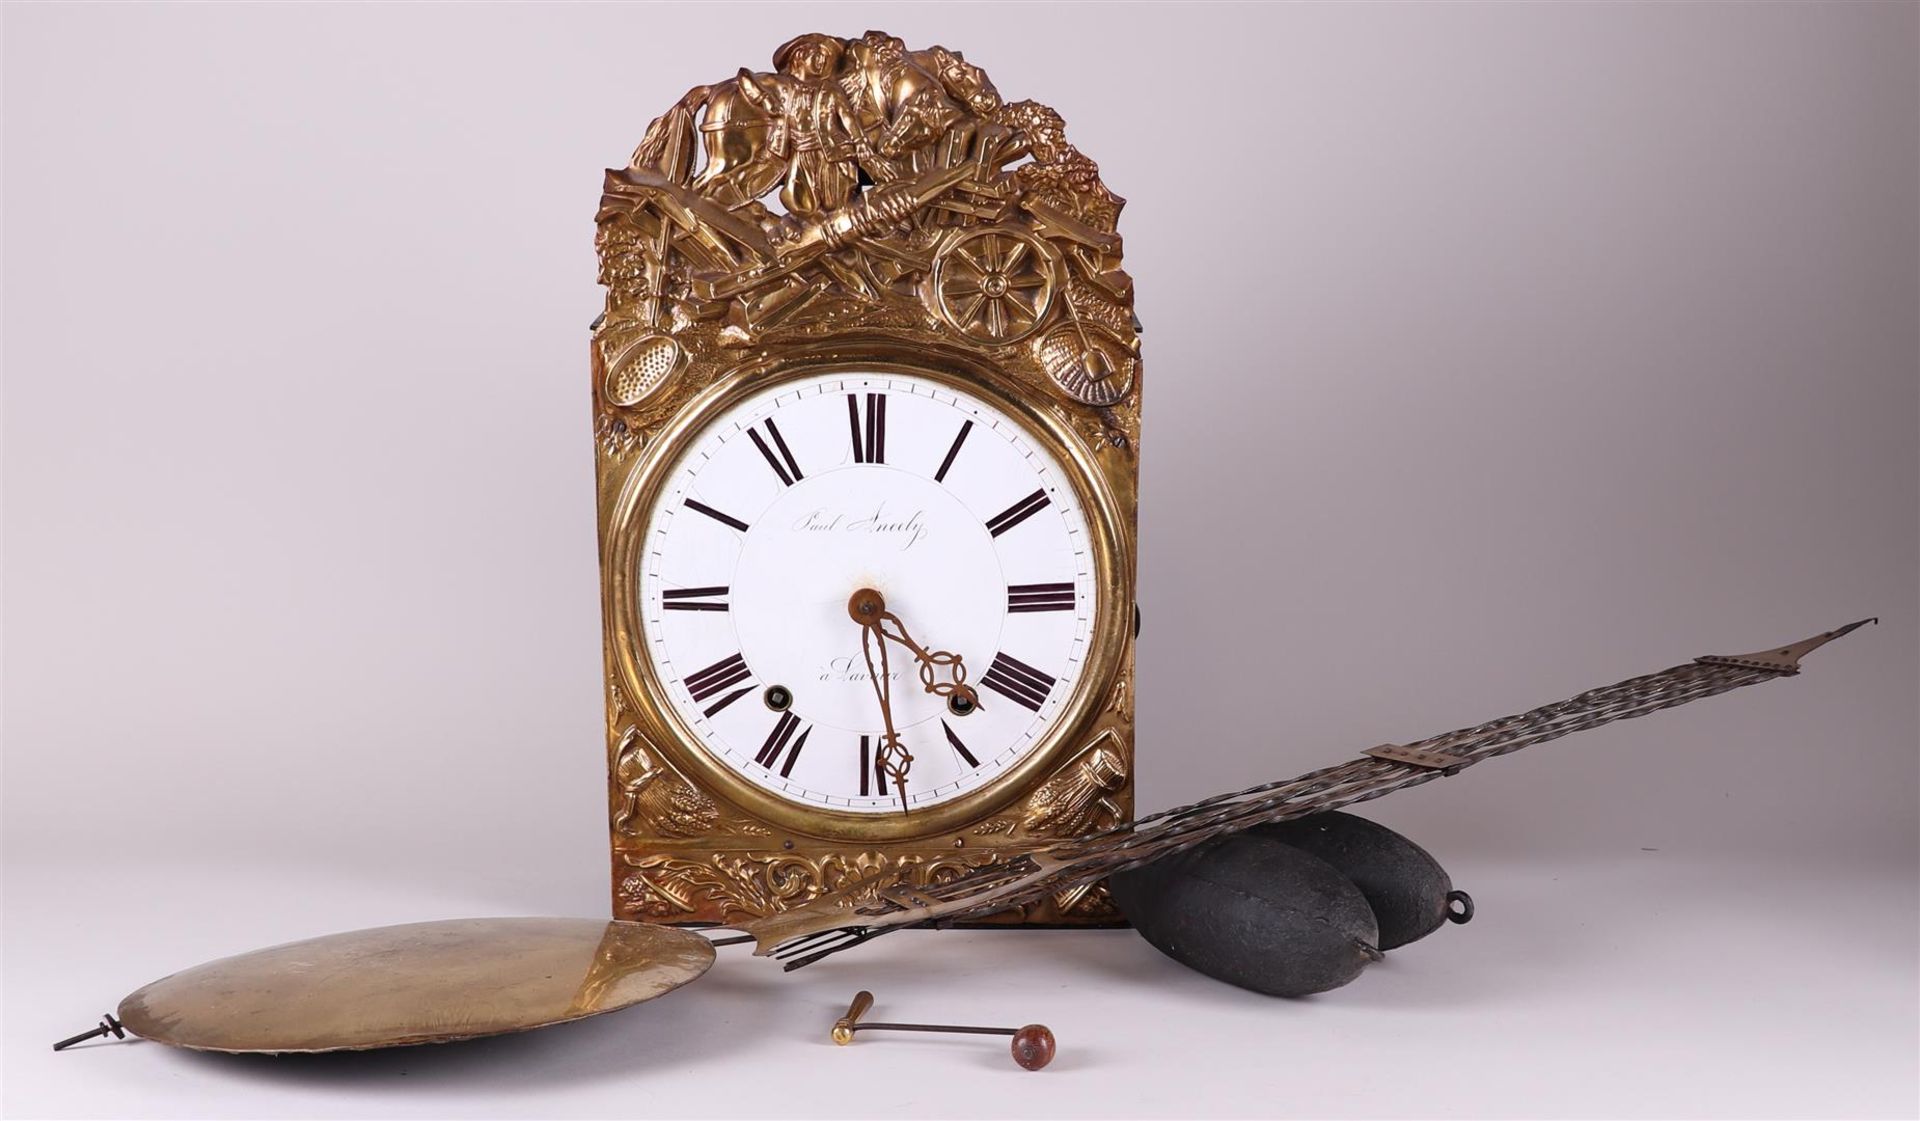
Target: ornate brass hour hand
column 879, row 627
column 952, row 684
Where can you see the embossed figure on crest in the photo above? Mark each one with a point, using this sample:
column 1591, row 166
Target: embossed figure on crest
column 910, row 197
column 813, row 128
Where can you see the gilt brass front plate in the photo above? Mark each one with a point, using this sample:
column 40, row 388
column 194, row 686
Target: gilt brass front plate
column 860, row 206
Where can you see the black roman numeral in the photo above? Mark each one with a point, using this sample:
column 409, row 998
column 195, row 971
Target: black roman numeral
column 694, row 599
column 873, row 778
column 723, row 674
column 783, row 464
column 777, row 741
column 1018, row 512
column 869, row 432
column 958, row 746
column 1017, row 681
column 723, row 519
column 940, row 476
column 1039, row 597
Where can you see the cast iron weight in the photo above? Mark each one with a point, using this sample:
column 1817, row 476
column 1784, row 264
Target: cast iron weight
column 1032, row 1047
column 108, row 1026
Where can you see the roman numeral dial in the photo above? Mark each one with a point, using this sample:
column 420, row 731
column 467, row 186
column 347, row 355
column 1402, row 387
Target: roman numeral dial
column 869, row 427
column 953, row 452
column 776, row 500
column 774, row 449
column 873, row 777
column 959, row 748
column 1024, row 598
column 782, row 745
column 723, row 518
column 716, row 679
column 694, row 599
column 1018, row 512
column 1017, row 681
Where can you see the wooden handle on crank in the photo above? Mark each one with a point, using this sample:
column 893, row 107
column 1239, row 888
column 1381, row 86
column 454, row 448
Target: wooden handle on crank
column 843, row 1027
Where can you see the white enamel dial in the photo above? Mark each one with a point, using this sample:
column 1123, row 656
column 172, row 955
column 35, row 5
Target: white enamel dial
column 799, row 496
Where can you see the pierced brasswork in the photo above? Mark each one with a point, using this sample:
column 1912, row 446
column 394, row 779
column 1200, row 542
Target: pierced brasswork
column 750, row 884
column 860, row 185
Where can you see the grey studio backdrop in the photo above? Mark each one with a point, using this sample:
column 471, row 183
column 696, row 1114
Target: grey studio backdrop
column 1492, row 353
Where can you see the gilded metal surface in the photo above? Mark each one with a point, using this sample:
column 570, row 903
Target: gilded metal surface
column 833, row 923
column 676, row 885
column 860, row 206
column 430, row 982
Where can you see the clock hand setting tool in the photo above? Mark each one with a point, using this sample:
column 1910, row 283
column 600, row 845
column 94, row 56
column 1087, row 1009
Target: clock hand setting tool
column 866, row 421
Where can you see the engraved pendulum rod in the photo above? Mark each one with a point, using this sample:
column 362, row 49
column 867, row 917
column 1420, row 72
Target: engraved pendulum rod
column 839, row 921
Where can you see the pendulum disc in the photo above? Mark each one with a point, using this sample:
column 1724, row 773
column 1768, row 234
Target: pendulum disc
column 430, row 982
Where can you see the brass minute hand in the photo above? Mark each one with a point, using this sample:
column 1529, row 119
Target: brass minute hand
column 869, row 610
column 880, row 626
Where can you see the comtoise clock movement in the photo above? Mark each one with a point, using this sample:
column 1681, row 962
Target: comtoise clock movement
column 867, row 393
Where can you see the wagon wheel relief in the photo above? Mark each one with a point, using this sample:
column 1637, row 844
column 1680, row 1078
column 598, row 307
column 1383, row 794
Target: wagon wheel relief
column 995, row 285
